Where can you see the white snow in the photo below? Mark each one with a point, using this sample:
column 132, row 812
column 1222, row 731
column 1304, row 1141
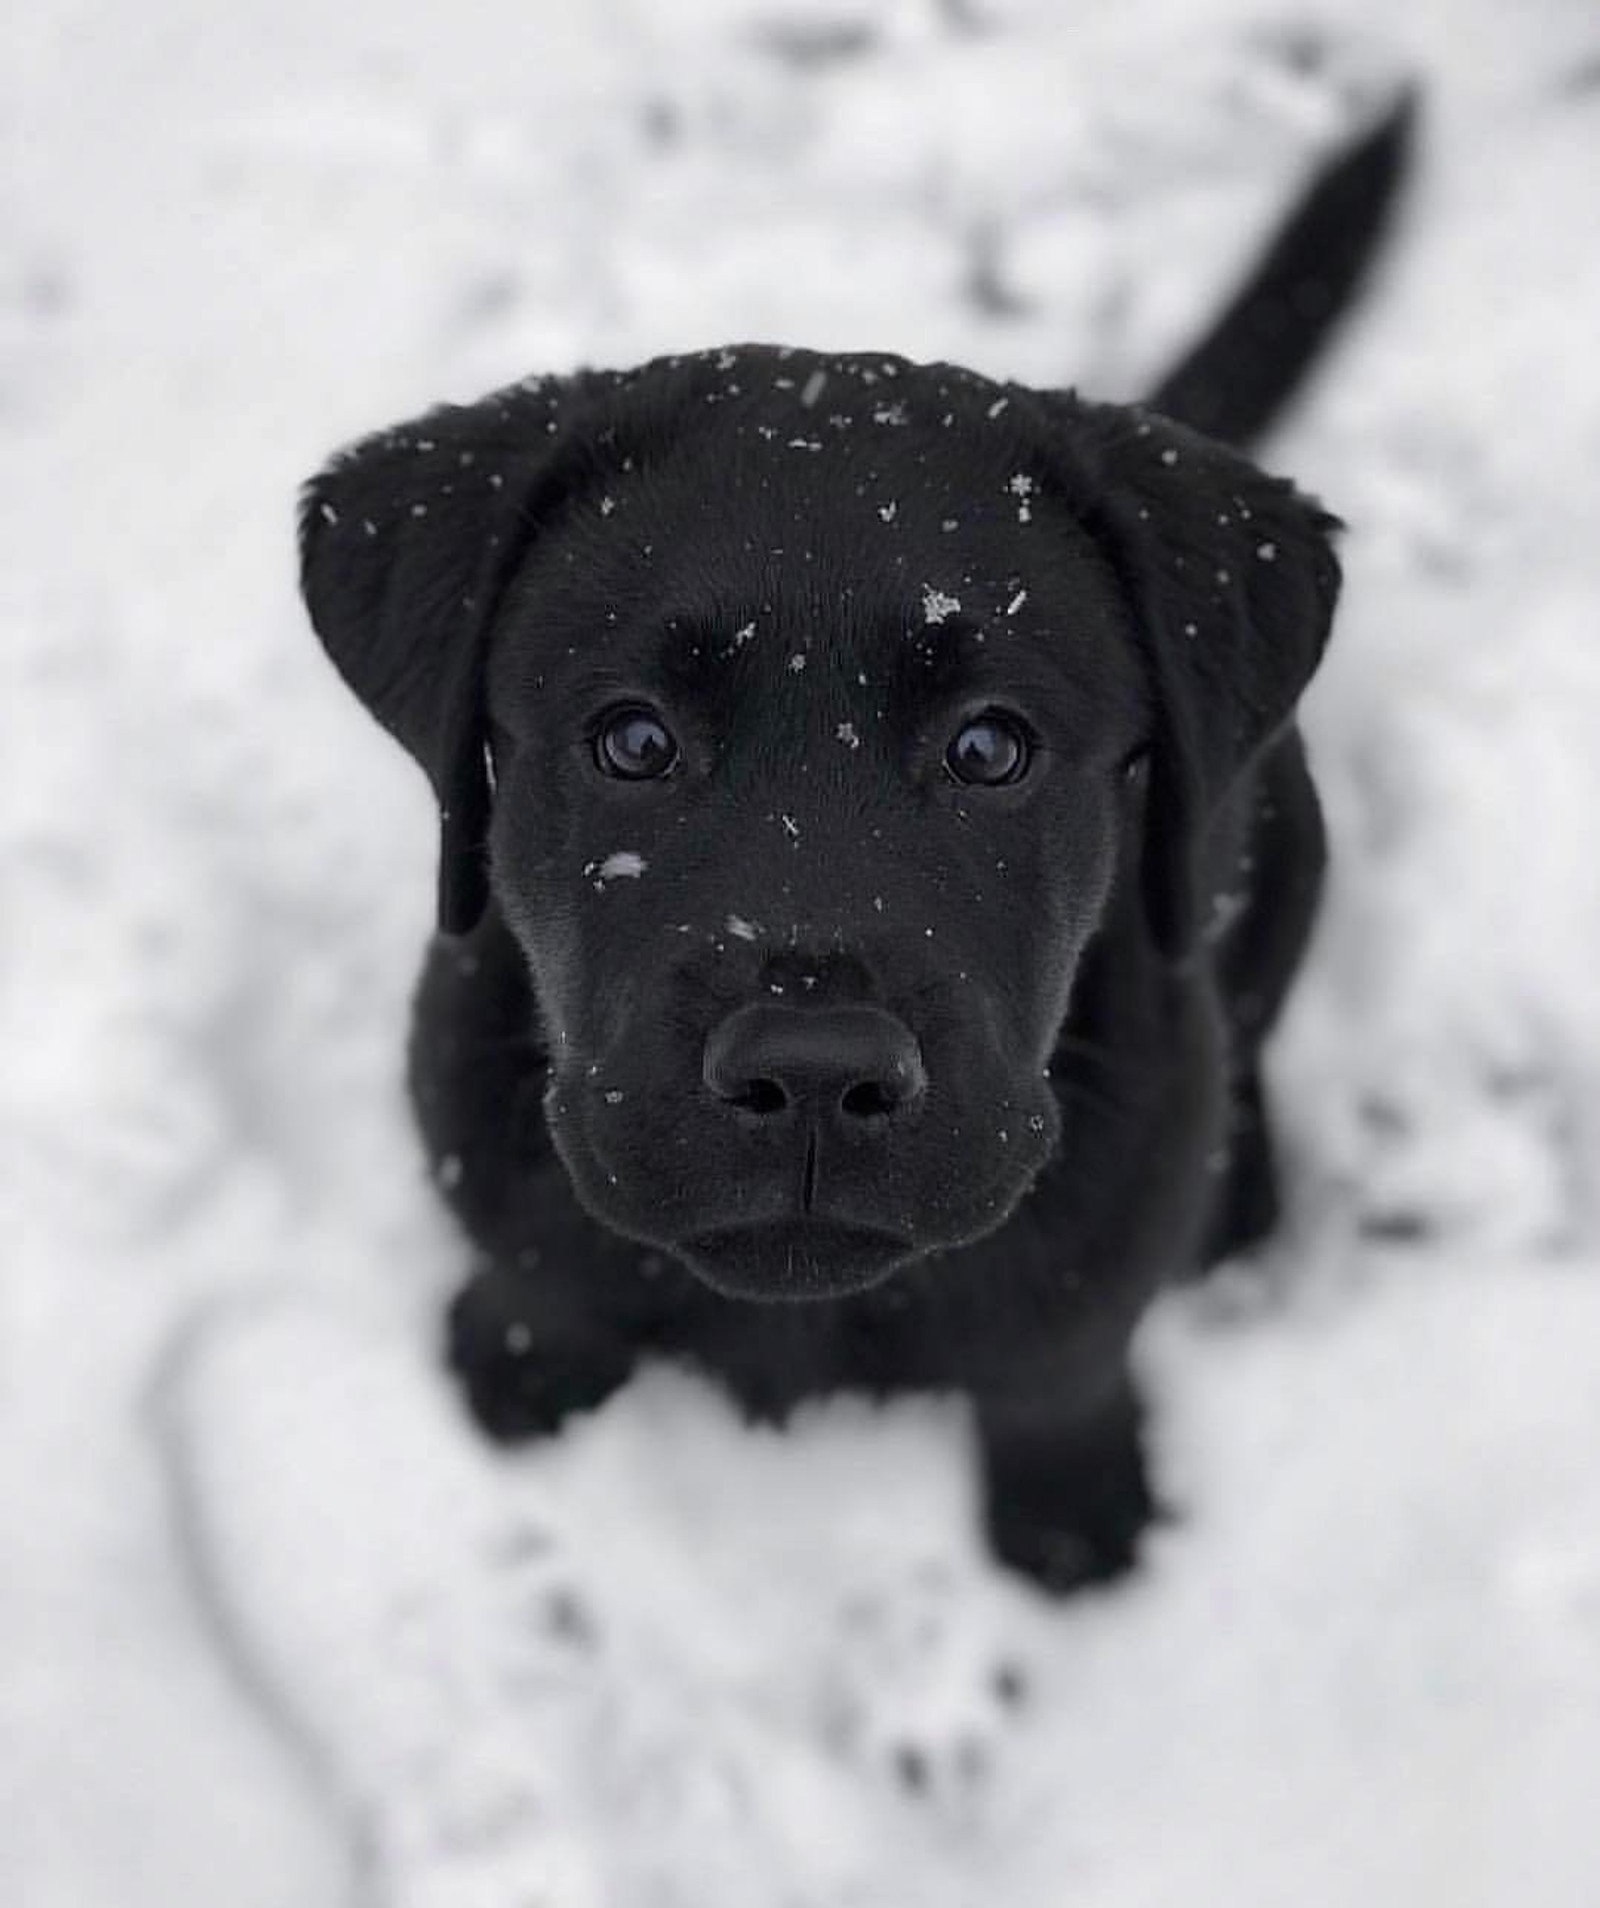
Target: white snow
column 275, row 1630
column 938, row 605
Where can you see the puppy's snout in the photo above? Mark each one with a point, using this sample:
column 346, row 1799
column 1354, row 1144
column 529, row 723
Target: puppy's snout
column 853, row 1063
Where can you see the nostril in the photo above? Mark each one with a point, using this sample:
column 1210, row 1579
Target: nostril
column 759, row 1096
column 875, row 1099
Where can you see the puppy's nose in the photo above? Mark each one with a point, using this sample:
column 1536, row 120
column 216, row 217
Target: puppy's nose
column 859, row 1063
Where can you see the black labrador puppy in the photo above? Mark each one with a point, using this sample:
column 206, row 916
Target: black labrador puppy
column 876, row 844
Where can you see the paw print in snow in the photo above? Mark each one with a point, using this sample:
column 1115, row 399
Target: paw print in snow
column 917, row 1690
column 477, row 1803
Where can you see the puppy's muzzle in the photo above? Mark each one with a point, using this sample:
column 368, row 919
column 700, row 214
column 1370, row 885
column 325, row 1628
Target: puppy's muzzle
column 850, row 1067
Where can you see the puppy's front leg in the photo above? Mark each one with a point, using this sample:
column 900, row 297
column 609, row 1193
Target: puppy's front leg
column 523, row 1365
column 1066, row 1494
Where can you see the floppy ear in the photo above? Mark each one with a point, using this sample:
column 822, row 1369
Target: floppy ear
column 1232, row 579
column 407, row 541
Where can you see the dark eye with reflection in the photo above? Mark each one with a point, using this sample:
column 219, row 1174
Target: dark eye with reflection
column 635, row 745
column 989, row 751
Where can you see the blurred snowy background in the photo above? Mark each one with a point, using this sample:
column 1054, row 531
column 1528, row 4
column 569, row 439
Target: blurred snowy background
column 275, row 1631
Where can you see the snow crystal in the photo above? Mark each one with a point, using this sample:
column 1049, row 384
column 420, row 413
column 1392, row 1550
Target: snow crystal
column 1169, row 457
column 888, row 511
column 1225, row 910
column 607, row 505
column 813, row 388
column 846, row 733
column 329, row 514
column 1224, row 577
column 742, row 929
column 997, row 407
column 797, row 662
column 1268, row 552
column 624, row 865
column 419, row 510
column 937, row 605
column 1016, row 602
column 790, row 827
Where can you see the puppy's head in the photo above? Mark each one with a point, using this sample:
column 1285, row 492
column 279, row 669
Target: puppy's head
column 800, row 714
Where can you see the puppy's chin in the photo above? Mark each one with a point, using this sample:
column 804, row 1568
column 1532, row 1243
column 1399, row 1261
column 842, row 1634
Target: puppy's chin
column 794, row 1261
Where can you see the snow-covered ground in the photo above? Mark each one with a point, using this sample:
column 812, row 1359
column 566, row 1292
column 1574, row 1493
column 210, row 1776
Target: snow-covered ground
column 275, row 1630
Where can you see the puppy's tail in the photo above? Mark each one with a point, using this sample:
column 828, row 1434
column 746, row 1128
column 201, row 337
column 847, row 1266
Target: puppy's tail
column 1233, row 384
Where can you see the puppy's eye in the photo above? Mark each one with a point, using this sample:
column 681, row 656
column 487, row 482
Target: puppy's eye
column 635, row 745
column 989, row 751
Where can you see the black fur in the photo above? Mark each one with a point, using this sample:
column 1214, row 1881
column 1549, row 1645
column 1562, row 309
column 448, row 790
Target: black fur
column 963, row 1073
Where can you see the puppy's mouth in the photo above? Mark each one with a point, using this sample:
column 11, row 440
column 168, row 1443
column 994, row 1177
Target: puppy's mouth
column 794, row 1259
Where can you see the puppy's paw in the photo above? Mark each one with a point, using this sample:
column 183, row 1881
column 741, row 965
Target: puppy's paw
column 1068, row 1546
column 1068, row 1510
column 523, row 1378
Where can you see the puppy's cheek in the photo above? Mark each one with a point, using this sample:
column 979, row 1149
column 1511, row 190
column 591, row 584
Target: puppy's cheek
column 548, row 939
column 1024, row 1136
column 979, row 1157
column 631, row 1155
column 563, row 1118
column 1025, row 961
column 595, row 1175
